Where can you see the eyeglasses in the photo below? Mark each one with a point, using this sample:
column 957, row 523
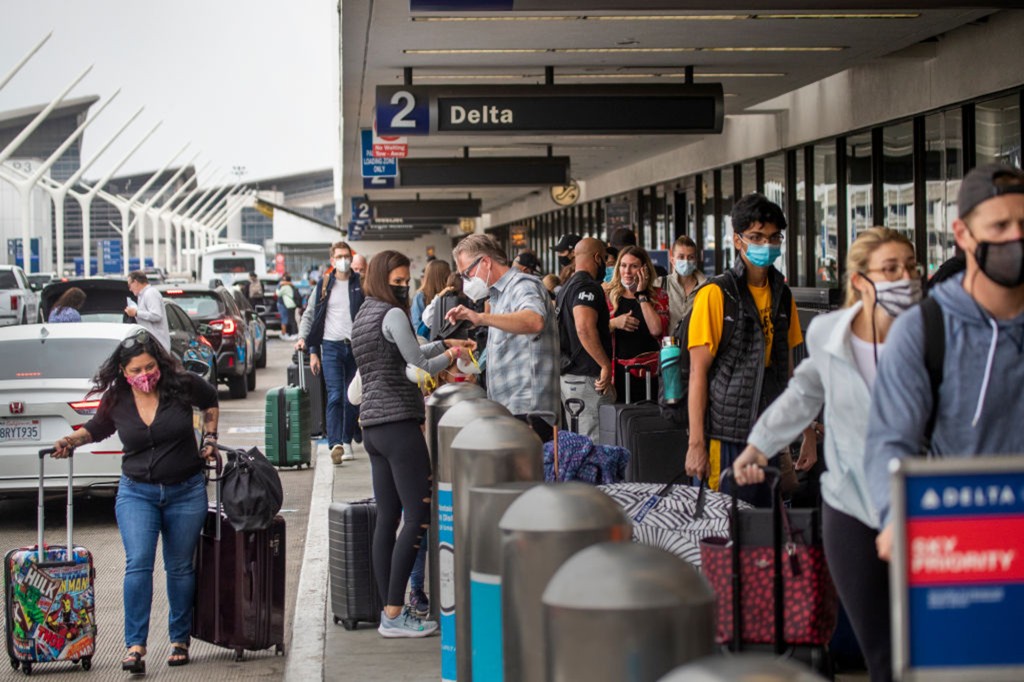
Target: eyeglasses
column 760, row 239
column 894, row 271
column 139, row 338
column 465, row 273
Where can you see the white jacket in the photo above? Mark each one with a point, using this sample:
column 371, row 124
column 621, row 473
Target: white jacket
column 828, row 378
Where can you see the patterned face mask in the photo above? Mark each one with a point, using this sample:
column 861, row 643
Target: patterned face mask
column 144, row 382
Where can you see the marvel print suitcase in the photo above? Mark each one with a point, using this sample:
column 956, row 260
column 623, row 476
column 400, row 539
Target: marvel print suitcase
column 287, row 426
column 240, row 590
column 50, row 596
column 354, row 594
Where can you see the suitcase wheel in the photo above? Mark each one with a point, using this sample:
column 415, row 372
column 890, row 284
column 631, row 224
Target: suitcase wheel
column 279, row 650
column 239, row 654
column 349, row 624
column 87, row 664
column 26, row 668
column 15, row 663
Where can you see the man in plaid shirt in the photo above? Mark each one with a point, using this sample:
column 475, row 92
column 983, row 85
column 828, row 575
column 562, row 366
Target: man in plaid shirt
column 522, row 342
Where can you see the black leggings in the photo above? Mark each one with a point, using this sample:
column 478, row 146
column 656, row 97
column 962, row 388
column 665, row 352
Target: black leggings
column 401, row 482
column 862, row 580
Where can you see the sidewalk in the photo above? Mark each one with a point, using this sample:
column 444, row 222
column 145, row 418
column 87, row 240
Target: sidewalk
column 363, row 654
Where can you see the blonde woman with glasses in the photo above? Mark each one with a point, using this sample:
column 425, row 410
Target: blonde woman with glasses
column 883, row 280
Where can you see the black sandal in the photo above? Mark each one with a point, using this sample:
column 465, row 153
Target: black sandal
column 179, row 656
column 134, row 663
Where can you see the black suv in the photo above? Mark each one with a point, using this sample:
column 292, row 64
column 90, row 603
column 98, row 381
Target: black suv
column 225, row 327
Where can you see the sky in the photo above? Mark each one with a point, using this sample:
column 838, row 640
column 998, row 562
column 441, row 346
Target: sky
column 249, row 83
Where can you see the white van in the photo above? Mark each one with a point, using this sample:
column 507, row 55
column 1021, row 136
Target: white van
column 231, row 262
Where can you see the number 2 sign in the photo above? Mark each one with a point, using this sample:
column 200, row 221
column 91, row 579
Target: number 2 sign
column 402, row 111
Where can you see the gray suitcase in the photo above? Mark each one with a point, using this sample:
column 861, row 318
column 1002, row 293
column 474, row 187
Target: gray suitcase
column 354, row 594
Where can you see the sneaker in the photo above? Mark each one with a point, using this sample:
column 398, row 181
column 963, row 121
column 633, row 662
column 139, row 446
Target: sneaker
column 337, row 454
column 419, row 604
column 349, row 453
column 405, row 624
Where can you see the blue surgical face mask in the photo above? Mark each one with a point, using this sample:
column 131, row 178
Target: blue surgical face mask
column 763, row 255
column 608, row 274
column 685, row 268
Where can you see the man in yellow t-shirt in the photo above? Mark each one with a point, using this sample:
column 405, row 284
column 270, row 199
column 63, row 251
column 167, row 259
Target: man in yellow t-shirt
column 738, row 367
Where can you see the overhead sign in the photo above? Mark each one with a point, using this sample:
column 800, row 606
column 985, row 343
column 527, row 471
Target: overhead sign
column 958, row 569
column 372, row 166
column 379, row 183
column 390, row 146
column 566, row 195
column 514, row 171
column 361, row 210
column 550, row 109
column 112, row 255
column 427, row 209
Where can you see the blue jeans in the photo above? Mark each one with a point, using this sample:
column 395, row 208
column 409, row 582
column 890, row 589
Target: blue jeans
column 339, row 367
column 416, row 577
column 176, row 514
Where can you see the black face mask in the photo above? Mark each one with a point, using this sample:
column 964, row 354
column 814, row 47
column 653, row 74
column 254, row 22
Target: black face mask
column 1002, row 262
column 563, row 261
column 401, row 293
column 602, row 270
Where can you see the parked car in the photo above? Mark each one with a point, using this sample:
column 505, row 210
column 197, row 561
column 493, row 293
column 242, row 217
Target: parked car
column 44, row 380
column 226, row 328
column 18, row 303
column 257, row 327
column 105, row 301
column 271, row 317
column 38, row 280
column 193, row 349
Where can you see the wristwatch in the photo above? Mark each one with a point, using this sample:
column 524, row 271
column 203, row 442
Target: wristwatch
column 642, row 298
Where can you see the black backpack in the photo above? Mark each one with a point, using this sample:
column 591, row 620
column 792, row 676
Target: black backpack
column 934, row 356
column 251, row 492
column 677, row 413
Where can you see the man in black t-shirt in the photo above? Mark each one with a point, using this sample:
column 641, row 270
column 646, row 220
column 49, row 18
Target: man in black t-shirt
column 585, row 336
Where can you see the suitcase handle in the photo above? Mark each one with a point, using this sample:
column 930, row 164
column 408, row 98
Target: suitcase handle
column 302, row 369
column 43, row 454
column 218, row 466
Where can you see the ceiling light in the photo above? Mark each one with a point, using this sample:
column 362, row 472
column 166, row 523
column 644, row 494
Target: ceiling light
column 562, row 76
column 620, row 50
column 574, row 50
column 838, row 16
column 475, row 50
column 492, row 18
column 668, row 17
column 475, row 76
column 771, row 49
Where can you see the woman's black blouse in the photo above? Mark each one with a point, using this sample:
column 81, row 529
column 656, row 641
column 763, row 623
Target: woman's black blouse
column 164, row 452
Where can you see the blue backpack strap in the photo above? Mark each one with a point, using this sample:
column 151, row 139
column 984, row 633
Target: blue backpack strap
column 934, row 355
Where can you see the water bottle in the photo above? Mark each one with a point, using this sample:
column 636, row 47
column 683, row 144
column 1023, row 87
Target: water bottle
column 671, row 375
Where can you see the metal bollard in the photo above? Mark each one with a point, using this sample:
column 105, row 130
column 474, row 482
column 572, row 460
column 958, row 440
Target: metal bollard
column 541, row 531
column 487, row 504
column 439, row 402
column 486, row 451
column 625, row 611
column 740, row 668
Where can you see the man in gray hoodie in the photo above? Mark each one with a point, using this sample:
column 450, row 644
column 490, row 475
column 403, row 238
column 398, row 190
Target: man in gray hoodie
column 980, row 400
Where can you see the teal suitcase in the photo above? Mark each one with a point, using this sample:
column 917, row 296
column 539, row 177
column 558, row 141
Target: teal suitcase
column 288, row 426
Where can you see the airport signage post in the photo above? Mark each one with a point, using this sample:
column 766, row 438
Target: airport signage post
column 550, row 109
column 957, row 572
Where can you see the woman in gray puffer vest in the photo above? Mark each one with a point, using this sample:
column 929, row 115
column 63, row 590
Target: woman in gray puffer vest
column 391, row 416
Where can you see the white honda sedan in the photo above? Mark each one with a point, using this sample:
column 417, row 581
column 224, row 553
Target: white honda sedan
column 46, row 373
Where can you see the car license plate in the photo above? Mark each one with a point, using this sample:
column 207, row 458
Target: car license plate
column 12, row 430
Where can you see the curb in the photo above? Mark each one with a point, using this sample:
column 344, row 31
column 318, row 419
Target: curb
column 309, row 625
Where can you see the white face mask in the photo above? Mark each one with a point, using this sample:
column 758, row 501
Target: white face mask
column 897, row 297
column 685, row 268
column 343, row 265
column 476, row 289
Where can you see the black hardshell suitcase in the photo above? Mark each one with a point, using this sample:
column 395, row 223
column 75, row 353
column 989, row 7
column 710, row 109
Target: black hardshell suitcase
column 317, row 391
column 657, row 447
column 354, row 594
column 240, row 584
column 50, row 595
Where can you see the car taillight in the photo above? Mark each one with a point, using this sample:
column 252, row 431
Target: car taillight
column 14, row 303
column 225, row 326
column 174, row 292
column 85, row 406
column 203, row 340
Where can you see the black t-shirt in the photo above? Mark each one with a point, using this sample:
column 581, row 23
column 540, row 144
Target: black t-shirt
column 165, row 451
column 631, row 344
column 582, row 290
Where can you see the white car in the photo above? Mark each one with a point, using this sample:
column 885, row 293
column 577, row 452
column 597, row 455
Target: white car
column 18, row 302
column 45, row 375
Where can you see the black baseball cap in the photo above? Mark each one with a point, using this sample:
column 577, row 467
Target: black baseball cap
column 568, row 242
column 529, row 261
column 988, row 182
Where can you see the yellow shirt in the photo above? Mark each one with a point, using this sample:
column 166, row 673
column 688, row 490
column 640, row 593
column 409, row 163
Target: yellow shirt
column 709, row 311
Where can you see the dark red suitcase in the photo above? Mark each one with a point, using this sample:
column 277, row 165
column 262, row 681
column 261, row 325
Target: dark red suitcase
column 240, row 593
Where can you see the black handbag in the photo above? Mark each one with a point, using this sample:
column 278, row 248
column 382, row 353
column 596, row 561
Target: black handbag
column 251, row 492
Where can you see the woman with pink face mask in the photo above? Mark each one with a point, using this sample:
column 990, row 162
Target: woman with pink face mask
column 147, row 398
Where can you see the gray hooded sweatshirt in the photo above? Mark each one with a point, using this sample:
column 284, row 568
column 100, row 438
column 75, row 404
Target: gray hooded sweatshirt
column 981, row 400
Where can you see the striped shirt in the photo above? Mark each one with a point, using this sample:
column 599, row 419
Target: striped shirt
column 522, row 369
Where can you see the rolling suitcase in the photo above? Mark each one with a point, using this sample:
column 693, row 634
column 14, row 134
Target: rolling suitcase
column 317, row 391
column 50, row 596
column 657, row 447
column 354, row 594
column 240, row 591
column 287, row 438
